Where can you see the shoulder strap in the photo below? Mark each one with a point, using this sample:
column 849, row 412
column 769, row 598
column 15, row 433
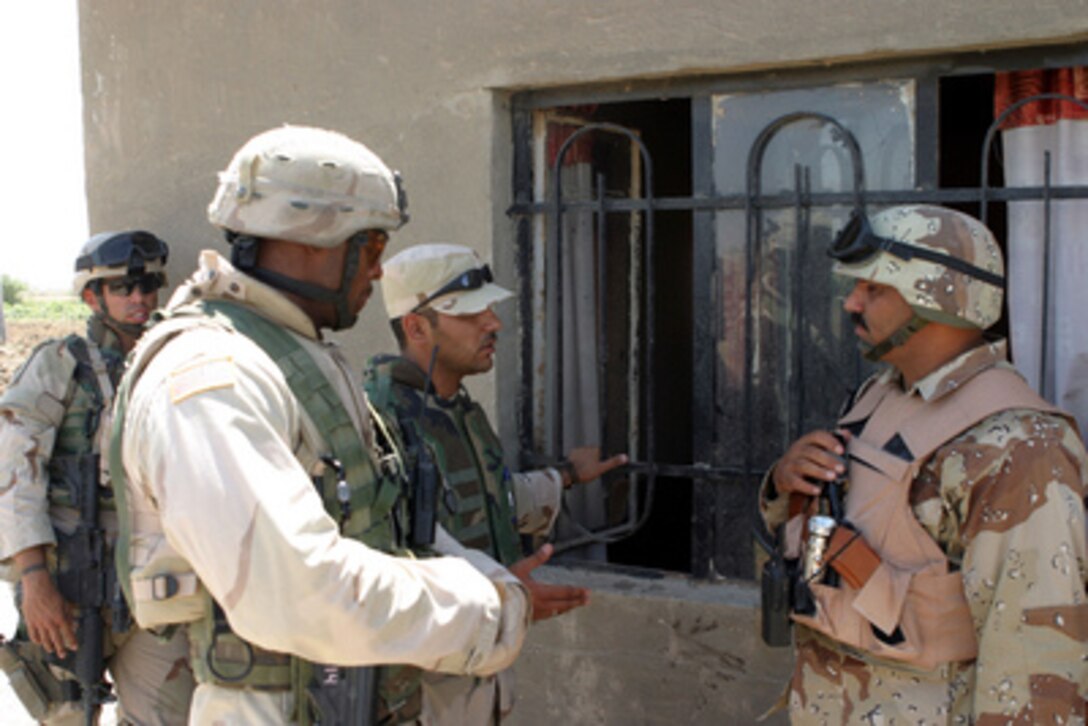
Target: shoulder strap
column 378, row 381
column 91, row 368
column 319, row 399
column 989, row 392
column 89, row 358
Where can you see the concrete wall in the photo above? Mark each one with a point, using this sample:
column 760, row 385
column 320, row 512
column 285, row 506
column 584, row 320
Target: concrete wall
column 173, row 89
column 650, row 650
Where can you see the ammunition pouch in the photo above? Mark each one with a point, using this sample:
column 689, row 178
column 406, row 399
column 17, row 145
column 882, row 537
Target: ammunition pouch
column 32, row 680
column 851, row 556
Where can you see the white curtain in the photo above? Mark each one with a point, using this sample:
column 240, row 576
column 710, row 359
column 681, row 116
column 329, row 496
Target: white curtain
column 1058, row 371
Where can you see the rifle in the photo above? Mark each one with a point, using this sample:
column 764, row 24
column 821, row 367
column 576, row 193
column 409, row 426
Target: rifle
column 423, row 474
column 88, row 575
column 84, row 583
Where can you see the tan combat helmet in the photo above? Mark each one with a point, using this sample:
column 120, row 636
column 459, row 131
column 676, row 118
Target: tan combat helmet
column 307, row 185
column 312, row 187
column 945, row 264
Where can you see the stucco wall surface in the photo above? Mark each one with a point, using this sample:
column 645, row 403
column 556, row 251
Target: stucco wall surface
column 173, row 89
column 650, row 649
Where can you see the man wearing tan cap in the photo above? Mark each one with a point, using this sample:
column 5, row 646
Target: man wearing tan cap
column 439, row 298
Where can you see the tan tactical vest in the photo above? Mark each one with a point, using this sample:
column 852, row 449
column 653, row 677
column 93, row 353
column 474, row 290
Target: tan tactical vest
column 162, row 588
column 914, row 589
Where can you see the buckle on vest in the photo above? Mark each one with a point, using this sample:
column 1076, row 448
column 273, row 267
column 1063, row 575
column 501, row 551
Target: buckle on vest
column 390, row 466
column 164, row 587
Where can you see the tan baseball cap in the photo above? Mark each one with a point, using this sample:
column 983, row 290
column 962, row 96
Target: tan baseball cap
column 449, row 279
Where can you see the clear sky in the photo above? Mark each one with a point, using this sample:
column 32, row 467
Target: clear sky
column 42, row 195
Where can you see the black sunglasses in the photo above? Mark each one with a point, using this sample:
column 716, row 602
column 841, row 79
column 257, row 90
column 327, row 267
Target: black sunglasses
column 857, row 243
column 472, row 279
column 147, row 283
column 130, row 249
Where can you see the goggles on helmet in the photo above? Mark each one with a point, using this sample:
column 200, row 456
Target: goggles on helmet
column 131, row 250
column 147, row 283
column 858, row 243
column 472, row 279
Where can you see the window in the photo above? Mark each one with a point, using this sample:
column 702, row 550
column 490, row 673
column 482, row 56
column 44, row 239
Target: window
column 700, row 327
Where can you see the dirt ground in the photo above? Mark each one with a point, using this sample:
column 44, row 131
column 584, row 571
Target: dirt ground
column 23, row 335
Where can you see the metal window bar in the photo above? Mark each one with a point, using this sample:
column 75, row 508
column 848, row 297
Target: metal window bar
column 754, row 202
column 634, row 520
column 802, row 203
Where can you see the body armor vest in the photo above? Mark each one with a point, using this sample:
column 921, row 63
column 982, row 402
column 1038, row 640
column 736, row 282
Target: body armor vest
column 362, row 489
column 912, row 609
column 469, row 455
column 480, row 510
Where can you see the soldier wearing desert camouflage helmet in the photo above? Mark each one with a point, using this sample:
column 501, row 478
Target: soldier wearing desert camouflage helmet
column 54, row 420
column 263, row 497
column 960, row 559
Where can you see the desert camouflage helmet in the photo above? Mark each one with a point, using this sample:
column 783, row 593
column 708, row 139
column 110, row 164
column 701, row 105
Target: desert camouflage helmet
column 307, row 185
column 944, row 263
column 117, row 254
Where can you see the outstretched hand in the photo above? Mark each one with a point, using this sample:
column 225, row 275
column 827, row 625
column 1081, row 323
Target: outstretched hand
column 548, row 600
column 588, row 464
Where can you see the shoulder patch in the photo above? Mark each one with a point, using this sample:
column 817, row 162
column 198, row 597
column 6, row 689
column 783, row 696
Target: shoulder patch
column 206, row 375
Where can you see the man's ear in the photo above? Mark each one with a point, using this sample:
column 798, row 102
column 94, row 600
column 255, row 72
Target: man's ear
column 90, row 299
column 416, row 327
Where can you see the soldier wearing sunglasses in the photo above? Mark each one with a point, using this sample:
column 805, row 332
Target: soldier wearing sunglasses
column 58, row 523
column 440, row 301
column 952, row 587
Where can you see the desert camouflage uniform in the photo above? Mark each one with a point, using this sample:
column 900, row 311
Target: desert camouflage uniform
column 220, row 450
column 492, row 507
column 1004, row 500
column 44, row 414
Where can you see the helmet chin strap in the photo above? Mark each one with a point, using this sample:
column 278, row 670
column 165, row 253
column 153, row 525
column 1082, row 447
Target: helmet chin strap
column 243, row 256
column 899, row 337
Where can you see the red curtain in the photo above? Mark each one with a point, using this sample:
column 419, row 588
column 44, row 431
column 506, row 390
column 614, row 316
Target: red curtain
column 1017, row 85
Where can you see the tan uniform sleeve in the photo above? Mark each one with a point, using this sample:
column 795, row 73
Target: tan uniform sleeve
column 516, row 600
column 212, row 436
column 1024, row 573
column 31, row 410
column 538, row 496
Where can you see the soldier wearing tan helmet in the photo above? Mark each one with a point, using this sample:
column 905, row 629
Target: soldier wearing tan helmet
column 57, row 519
column 951, row 589
column 440, row 299
column 264, row 499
